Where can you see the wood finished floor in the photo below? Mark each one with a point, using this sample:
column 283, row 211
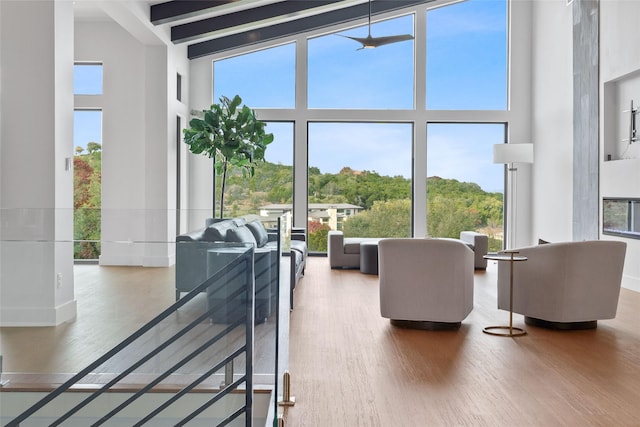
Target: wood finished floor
column 349, row 367
column 114, row 302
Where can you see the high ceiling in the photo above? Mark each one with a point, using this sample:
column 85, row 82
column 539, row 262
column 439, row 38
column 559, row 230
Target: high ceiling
column 211, row 26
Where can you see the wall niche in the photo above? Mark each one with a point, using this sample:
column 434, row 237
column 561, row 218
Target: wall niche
column 622, row 118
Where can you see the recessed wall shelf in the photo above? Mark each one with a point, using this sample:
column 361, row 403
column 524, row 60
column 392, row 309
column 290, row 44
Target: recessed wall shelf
column 621, row 134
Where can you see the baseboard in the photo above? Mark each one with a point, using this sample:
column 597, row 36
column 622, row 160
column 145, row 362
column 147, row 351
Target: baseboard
column 632, row 283
column 38, row 316
column 137, row 261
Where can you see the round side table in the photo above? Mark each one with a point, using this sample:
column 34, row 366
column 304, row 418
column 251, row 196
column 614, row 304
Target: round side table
column 506, row 331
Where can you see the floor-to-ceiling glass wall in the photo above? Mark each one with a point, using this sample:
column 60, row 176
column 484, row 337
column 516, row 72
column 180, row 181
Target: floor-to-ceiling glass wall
column 382, row 125
column 263, row 79
column 360, row 173
column 466, row 75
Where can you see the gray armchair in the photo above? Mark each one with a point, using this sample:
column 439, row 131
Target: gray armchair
column 568, row 285
column 425, row 283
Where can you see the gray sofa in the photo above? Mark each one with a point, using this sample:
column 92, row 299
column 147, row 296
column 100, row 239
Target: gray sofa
column 194, row 262
column 344, row 252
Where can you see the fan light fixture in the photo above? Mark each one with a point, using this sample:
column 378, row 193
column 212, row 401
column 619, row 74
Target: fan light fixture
column 370, row 42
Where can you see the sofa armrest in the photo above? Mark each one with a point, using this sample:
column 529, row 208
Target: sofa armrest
column 480, row 244
column 336, row 252
column 335, row 244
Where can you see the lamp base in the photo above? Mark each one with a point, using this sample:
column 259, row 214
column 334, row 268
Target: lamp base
column 509, row 331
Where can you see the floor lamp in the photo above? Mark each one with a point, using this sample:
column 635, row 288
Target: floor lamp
column 509, row 154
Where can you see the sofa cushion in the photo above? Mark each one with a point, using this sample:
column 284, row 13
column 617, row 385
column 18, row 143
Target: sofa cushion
column 192, row 236
column 217, row 232
column 240, row 235
column 259, row 232
column 239, row 221
column 299, row 246
column 352, row 244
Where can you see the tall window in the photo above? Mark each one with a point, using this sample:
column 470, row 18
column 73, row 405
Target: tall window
column 467, row 56
column 87, row 79
column 265, row 78
column 341, row 77
column 87, row 164
column 359, row 180
column 464, row 187
column 87, row 179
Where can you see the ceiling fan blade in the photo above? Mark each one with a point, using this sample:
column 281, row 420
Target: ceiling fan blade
column 373, row 42
column 381, row 41
column 361, row 40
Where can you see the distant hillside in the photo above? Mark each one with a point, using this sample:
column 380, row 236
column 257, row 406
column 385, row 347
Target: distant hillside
column 452, row 205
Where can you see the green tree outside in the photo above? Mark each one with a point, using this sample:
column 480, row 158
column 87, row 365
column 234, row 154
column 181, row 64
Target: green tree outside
column 452, row 206
column 87, row 177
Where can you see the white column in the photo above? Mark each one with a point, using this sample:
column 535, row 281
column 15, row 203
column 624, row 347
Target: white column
column 36, row 194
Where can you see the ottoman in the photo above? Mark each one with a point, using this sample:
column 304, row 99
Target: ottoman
column 369, row 257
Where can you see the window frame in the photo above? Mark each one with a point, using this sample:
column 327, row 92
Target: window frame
column 419, row 116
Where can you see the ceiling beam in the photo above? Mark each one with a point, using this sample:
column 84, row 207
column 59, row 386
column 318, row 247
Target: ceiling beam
column 202, row 28
column 172, row 11
column 297, row 26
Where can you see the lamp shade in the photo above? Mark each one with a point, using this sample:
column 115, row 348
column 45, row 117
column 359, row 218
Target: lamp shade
column 513, row 153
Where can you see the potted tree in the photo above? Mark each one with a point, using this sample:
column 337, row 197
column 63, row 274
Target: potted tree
column 231, row 135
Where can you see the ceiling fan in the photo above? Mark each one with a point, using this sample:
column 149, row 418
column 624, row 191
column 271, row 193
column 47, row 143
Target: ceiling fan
column 370, row 42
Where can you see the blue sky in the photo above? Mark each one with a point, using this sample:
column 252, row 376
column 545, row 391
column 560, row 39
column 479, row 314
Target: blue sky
column 466, row 70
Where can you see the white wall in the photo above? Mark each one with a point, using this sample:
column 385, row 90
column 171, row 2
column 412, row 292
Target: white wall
column 620, row 67
column 552, row 116
column 552, row 120
column 138, row 142
column 520, row 129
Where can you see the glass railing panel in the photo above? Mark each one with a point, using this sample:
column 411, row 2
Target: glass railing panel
column 139, row 248
column 189, row 346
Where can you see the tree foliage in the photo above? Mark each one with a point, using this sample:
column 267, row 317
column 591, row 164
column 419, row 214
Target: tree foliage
column 87, row 184
column 231, row 135
column 452, row 206
column 390, row 218
column 318, row 234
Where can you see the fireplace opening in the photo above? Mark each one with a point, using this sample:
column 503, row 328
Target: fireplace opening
column 621, row 217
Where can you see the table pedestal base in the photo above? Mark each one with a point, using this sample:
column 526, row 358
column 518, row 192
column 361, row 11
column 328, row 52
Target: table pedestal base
column 504, row 331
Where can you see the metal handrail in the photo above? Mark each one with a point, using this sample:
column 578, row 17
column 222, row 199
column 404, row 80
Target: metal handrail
column 245, row 258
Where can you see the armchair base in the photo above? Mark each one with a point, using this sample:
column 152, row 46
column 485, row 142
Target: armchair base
column 426, row 325
column 561, row 326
